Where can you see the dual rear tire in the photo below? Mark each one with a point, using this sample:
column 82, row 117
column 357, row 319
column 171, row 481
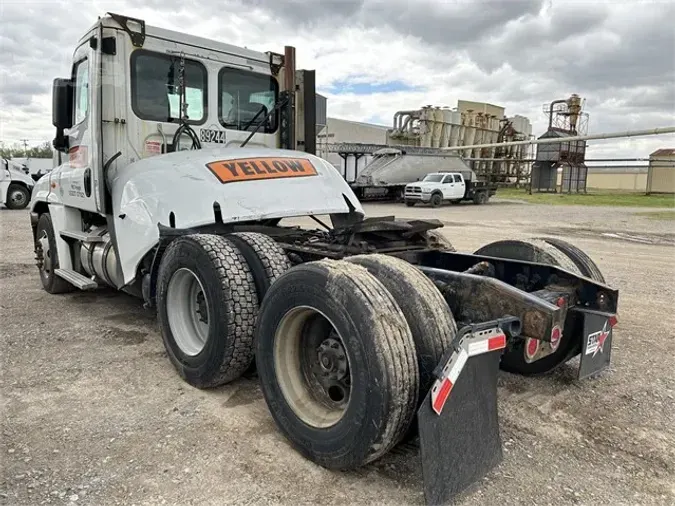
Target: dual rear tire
column 555, row 252
column 322, row 335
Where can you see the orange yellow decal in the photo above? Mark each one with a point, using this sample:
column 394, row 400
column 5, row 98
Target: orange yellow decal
column 252, row 169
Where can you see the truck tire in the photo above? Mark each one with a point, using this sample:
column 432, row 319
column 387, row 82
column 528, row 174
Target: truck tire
column 480, row 198
column 200, row 274
column 428, row 315
column 48, row 258
column 337, row 363
column 410, row 203
column 18, row 196
column 266, row 259
column 436, row 200
column 586, row 266
column 436, row 240
column 533, row 250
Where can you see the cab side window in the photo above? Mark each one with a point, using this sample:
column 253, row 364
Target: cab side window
column 458, row 178
column 447, row 179
column 81, row 102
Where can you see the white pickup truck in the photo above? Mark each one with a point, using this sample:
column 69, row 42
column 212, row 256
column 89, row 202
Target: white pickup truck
column 454, row 187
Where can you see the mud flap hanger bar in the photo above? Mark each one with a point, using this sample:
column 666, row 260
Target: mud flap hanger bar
column 470, row 341
column 458, row 419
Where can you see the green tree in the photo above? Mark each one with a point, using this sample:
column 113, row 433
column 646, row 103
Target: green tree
column 43, row 150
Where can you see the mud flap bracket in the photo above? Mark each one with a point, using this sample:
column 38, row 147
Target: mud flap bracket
column 458, row 420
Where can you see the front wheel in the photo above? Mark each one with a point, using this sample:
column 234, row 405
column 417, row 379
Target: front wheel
column 436, row 200
column 18, row 196
column 410, row 203
column 48, row 258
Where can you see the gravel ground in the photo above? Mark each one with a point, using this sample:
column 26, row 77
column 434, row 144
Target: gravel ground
column 93, row 413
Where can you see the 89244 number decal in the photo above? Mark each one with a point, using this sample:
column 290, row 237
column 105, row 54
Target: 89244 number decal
column 208, row 135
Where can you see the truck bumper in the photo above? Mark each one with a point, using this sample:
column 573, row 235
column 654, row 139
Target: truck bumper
column 417, row 197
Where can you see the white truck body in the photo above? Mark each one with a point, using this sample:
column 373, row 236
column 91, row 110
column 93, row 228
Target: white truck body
column 12, row 178
column 124, row 117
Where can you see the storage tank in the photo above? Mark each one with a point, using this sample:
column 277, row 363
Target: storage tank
column 350, row 168
column 426, row 126
column 447, row 127
column 456, row 130
column 437, row 116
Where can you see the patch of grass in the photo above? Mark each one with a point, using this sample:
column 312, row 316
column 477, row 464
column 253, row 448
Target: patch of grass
column 658, row 215
column 592, row 198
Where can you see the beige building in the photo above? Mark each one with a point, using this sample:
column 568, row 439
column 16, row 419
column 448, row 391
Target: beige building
column 661, row 173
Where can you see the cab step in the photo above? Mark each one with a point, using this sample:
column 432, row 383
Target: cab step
column 81, row 236
column 76, row 279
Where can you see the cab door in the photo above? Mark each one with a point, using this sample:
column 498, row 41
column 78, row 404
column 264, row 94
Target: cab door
column 458, row 187
column 77, row 182
column 447, row 184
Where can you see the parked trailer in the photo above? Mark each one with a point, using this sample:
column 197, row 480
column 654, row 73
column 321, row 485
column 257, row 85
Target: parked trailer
column 373, row 323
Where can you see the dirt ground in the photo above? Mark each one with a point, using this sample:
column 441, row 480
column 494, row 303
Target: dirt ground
column 93, row 412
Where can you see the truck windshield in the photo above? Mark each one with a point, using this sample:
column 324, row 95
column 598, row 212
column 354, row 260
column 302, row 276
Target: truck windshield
column 433, row 178
column 245, row 100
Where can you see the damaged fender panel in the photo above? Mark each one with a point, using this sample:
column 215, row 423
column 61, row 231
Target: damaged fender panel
column 180, row 189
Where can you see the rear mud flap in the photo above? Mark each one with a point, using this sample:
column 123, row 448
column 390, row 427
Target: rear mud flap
column 458, row 420
column 596, row 347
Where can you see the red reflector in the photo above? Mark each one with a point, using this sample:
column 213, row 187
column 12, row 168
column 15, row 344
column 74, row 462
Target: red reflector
column 612, row 321
column 443, row 393
column 497, row 342
column 560, row 302
column 531, row 347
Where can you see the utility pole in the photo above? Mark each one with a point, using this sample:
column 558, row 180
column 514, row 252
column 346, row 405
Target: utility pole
column 25, row 147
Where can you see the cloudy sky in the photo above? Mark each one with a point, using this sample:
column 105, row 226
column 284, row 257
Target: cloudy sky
column 374, row 57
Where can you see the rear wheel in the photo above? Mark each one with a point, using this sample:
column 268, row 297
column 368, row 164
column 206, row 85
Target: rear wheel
column 337, row 363
column 437, row 240
column 586, row 266
column 266, row 259
column 48, row 258
column 426, row 311
column 436, row 200
column 534, row 250
column 480, row 198
column 207, row 306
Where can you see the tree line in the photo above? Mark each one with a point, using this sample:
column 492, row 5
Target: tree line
column 43, row 150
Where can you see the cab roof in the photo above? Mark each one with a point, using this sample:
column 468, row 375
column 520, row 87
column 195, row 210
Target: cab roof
column 181, row 38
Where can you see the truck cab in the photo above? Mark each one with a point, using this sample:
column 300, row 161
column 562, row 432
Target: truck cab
column 15, row 185
column 436, row 188
column 154, row 127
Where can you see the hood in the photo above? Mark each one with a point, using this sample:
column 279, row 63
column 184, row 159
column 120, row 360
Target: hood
column 15, row 174
column 246, row 184
column 424, row 184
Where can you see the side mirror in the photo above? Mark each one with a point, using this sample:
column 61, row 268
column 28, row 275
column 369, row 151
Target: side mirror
column 62, row 111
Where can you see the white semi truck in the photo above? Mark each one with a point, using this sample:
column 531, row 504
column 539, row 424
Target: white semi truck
column 184, row 156
column 15, row 185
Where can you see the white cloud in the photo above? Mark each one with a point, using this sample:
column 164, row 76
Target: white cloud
column 619, row 55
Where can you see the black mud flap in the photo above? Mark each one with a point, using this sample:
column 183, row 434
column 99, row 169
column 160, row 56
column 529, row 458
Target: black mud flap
column 458, row 420
column 596, row 347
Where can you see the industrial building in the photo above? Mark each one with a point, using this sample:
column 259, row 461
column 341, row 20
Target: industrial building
column 661, row 172
column 339, row 131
